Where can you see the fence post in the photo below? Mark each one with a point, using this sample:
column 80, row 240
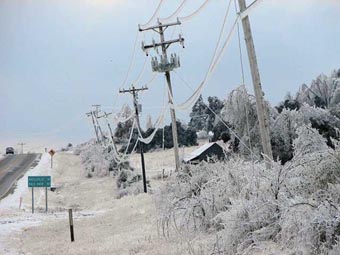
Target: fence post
column 71, row 224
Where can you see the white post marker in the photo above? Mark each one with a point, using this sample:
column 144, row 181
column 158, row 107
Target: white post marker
column 20, row 201
column 51, row 152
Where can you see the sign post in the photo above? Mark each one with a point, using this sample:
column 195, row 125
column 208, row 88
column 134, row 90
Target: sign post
column 46, row 198
column 39, row 181
column 32, row 200
column 51, row 152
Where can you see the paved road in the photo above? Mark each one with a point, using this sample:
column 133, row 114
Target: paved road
column 12, row 167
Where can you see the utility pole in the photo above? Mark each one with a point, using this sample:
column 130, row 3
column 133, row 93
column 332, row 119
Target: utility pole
column 22, row 147
column 109, row 127
column 94, row 125
column 259, row 95
column 134, row 93
column 96, row 113
column 165, row 66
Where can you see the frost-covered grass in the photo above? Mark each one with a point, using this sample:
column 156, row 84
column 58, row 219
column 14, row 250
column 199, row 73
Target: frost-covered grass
column 95, row 159
column 247, row 208
column 99, row 161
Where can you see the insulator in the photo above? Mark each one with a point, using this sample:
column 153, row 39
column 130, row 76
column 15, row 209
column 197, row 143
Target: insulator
column 181, row 40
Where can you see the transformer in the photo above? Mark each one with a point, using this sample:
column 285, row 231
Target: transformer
column 164, row 65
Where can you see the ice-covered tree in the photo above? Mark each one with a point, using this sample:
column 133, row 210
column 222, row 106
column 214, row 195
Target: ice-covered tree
column 283, row 132
column 323, row 92
column 308, row 141
column 239, row 112
column 288, row 103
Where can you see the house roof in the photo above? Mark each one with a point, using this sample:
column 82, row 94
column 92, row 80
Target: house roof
column 199, row 151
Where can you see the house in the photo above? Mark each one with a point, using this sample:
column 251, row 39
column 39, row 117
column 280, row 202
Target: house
column 206, row 152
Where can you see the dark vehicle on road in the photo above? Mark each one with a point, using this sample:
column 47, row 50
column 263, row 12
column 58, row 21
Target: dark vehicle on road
column 9, row 150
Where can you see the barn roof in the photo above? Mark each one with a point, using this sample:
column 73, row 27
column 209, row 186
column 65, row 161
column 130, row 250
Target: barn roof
column 199, row 151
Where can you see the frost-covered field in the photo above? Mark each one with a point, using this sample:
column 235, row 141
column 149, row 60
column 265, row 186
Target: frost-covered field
column 103, row 224
column 232, row 207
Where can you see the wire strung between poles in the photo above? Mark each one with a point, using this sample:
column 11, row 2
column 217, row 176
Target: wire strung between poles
column 136, row 81
column 118, row 158
column 215, row 60
column 153, row 15
column 222, row 121
column 158, row 123
column 193, row 98
column 177, row 11
column 195, row 13
column 131, row 61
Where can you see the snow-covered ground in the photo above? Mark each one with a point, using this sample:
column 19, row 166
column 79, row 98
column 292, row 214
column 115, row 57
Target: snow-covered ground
column 103, row 224
column 158, row 160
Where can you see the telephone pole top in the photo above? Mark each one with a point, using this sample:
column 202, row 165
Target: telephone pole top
column 96, row 125
column 97, row 109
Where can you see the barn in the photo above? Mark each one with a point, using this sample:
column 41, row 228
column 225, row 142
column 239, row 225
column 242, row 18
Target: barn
column 205, row 152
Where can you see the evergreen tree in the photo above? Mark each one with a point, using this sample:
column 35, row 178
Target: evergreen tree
column 324, row 91
column 149, row 124
column 216, row 105
column 186, row 137
column 198, row 115
column 288, row 103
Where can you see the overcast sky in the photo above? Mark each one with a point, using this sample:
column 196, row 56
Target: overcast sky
column 58, row 57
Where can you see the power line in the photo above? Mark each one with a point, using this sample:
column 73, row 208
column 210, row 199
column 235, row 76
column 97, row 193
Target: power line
column 239, row 46
column 131, row 61
column 214, row 62
column 153, row 15
column 190, row 16
column 180, row 7
column 220, row 119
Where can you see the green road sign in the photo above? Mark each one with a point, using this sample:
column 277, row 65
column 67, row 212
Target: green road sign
column 39, row 181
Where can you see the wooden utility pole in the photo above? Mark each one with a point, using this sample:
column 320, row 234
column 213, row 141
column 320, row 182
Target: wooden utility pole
column 166, row 66
column 110, row 129
column 259, row 95
column 22, row 147
column 95, row 114
column 134, row 93
column 94, row 125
